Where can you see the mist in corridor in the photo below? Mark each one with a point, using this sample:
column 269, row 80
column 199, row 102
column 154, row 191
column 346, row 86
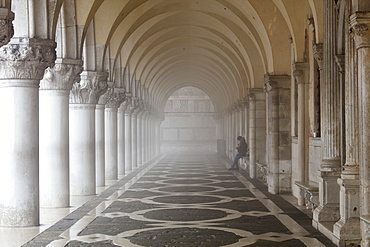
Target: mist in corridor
column 189, row 123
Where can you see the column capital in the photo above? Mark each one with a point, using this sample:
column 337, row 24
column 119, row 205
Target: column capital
column 62, row 75
column 300, row 70
column 117, row 98
column 360, row 27
column 318, row 54
column 26, row 58
column 6, row 26
column 93, row 84
column 275, row 82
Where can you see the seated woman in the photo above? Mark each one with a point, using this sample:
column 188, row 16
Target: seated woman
column 242, row 149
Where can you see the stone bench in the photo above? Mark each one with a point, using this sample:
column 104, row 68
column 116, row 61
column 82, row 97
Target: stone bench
column 310, row 191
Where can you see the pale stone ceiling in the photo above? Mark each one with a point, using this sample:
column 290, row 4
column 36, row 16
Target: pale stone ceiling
column 222, row 47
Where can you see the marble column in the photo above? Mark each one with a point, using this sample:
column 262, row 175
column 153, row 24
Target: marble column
column 135, row 111
column 128, row 140
column 22, row 65
column 111, row 134
column 143, row 136
column 139, row 137
column 300, row 72
column 252, row 134
column 330, row 168
column 347, row 230
column 82, row 104
column 279, row 140
column 245, row 133
column 121, row 138
column 54, row 132
column 360, row 24
column 100, row 143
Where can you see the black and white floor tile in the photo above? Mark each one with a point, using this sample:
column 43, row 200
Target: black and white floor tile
column 189, row 200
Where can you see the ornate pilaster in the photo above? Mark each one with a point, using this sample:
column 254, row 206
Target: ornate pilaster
column 300, row 73
column 279, row 141
column 360, row 25
column 330, row 166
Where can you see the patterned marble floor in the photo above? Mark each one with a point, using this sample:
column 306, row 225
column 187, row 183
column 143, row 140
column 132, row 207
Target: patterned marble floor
column 184, row 200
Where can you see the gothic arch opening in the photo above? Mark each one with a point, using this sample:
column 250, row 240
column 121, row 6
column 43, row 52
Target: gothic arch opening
column 189, row 122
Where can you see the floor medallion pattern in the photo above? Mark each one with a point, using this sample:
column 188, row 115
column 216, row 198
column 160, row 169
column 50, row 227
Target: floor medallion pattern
column 189, row 200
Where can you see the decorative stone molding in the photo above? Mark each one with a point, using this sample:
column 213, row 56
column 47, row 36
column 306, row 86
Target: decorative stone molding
column 318, row 54
column 117, row 98
column 340, row 60
column 103, row 100
column 93, row 84
column 62, row 75
column 25, row 58
column 360, row 23
column 6, row 26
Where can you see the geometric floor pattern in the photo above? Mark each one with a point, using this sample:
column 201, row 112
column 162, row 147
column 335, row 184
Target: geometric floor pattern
column 189, row 200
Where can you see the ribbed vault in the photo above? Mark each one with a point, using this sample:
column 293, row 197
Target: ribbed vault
column 222, row 47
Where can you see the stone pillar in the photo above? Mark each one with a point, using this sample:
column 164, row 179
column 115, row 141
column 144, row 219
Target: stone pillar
column 246, row 119
column 300, row 72
column 54, row 132
column 157, row 136
column 279, row 140
column 121, row 138
column 143, row 136
column 111, row 140
column 135, row 111
column 347, row 230
column 360, row 23
column 139, row 136
column 100, row 143
column 128, row 141
column 252, row 134
column 330, row 167
column 22, row 65
column 82, row 104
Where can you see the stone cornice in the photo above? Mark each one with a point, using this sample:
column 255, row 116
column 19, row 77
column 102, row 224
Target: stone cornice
column 25, row 58
column 360, row 27
column 62, row 75
column 93, row 84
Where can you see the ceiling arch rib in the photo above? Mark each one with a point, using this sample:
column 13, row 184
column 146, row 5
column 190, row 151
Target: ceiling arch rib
column 214, row 74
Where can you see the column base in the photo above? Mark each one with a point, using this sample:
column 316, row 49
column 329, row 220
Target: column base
column 347, row 233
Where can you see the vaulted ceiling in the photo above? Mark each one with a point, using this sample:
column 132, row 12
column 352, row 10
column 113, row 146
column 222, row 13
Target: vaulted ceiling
column 223, row 47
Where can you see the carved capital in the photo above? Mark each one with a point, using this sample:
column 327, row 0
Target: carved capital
column 93, row 84
column 62, row 75
column 275, row 82
column 6, row 26
column 117, row 98
column 103, row 99
column 360, row 27
column 25, row 58
column 318, row 52
column 299, row 72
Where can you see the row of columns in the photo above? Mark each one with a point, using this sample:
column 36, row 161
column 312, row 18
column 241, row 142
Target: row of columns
column 61, row 137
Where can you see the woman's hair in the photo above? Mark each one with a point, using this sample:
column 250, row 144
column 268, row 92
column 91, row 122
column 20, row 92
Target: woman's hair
column 239, row 138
